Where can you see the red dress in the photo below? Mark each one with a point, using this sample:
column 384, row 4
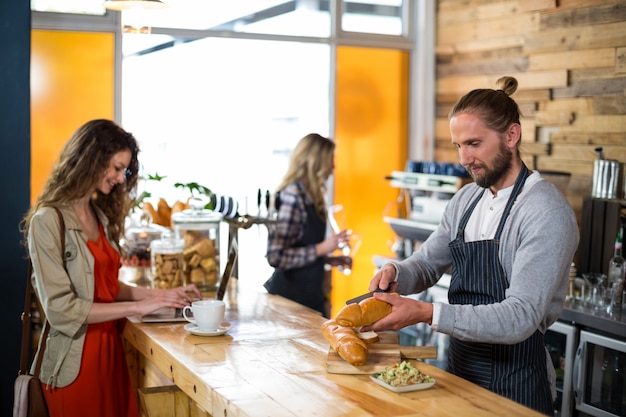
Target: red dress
column 102, row 388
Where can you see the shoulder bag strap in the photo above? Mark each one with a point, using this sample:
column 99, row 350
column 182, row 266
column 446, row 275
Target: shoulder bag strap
column 26, row 323
column 27, row 307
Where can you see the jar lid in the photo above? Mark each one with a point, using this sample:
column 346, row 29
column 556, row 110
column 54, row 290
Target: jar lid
column 142, row 231
column 169, row 243
column 196, row 217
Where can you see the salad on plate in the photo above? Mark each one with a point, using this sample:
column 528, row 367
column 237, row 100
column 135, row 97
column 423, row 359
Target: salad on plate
column 403, row 377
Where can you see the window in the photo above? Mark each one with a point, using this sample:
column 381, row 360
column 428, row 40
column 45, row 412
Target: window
column 211, row 109
column 293, row 18
column 94, row 7
column 383, row 17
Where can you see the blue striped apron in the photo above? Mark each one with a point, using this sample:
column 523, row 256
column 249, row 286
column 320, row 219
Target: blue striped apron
column 518, row 371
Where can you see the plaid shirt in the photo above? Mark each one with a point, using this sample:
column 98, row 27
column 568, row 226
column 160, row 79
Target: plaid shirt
column 283, row 237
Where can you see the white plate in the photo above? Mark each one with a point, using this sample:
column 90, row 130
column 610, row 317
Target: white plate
column 193, row 329
column 403, row 388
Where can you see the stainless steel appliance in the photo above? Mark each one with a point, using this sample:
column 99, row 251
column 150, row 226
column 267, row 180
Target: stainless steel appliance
column 599, row 340
column 561, row 341
column 607, row 178
column 422, row 200
column 600, row 375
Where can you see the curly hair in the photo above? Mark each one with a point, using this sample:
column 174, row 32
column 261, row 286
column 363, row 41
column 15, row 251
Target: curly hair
column 495, row 108
column 311, row 162
column 83, row 161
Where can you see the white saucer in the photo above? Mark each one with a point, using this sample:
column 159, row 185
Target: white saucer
column 193, row 329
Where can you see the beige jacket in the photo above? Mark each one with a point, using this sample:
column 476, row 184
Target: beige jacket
column 66, row 297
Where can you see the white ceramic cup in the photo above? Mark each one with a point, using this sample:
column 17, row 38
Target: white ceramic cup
column 207, row 314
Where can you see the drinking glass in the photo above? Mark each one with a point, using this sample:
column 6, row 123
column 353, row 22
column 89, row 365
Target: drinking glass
column 348, row 251
column 337, row 221
column 595, row 280
column 608, row 294
column 347, row 247
column 337, row 218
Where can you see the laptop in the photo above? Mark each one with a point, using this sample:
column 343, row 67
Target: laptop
column 166, row 315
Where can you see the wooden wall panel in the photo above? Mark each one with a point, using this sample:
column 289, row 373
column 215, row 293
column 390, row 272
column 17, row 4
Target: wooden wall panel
column 561, row 39
column 527, row 80
column 595, row 13
column 588, row 58
column 569, row 57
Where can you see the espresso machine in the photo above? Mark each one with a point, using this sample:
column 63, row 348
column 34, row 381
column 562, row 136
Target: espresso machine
column 425, row 188
column 604, row 213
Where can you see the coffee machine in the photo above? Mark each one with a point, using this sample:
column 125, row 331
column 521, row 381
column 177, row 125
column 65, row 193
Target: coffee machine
column 425, row 188
column 603, row 215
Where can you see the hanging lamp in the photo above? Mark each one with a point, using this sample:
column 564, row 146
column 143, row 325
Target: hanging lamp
column 121, row 5
column 133, row 13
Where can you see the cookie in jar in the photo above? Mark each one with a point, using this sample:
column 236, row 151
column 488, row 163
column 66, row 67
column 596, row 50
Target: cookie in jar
column 135, row 249
column 167, row 261
column 199, row 230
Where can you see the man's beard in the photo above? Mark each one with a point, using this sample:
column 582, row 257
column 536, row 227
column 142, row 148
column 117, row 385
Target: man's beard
column 501, row 164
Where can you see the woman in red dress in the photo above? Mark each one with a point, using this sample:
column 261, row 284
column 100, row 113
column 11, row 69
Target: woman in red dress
column 84, row 368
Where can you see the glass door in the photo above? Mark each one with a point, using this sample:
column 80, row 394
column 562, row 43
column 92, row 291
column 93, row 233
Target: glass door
column 560, row 341
column 600, row 375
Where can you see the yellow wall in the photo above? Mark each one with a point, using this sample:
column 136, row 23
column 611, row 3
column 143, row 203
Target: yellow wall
column 372, row 137
column 72, row 81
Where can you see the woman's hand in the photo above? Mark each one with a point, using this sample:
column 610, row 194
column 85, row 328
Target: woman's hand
column 339, row 260
column 185, row 294
column 178, row 297
column 332, row 243
column 188, row 292
column 138, row 301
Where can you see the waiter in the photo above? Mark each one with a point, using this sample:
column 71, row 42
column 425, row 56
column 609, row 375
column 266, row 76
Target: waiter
column 509, row 237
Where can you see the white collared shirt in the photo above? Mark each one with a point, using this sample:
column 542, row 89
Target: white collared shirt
column 484, row 221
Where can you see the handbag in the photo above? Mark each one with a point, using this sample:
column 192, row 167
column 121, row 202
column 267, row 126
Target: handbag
column 28, row 397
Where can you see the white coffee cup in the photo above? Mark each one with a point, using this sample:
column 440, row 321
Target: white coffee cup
column 207, row 314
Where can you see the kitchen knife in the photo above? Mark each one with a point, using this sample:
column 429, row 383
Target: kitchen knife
column 363, row 297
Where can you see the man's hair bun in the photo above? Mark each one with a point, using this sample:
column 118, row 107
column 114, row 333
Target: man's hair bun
column 507, row 84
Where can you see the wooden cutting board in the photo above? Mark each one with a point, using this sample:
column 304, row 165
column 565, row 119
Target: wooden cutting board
column 382, row 354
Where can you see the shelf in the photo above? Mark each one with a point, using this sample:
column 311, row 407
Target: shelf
column 588, row 318
column 410, row 229
column 428, row 182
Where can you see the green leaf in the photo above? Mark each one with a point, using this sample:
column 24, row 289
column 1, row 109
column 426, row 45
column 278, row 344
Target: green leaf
column 155, row 177
column 195, row 188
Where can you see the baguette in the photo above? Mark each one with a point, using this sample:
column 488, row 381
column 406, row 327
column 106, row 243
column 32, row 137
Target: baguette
column 346, row 342
column 364, row 313
column 368, row 337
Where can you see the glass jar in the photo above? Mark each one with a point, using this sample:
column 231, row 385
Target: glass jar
column 135, row 249
column 199, row 228
column 167, row 261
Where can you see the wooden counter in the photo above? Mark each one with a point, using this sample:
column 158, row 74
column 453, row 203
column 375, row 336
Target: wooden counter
column 273, row 363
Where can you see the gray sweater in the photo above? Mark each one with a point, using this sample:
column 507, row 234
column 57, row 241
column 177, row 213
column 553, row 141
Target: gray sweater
column 537, row 245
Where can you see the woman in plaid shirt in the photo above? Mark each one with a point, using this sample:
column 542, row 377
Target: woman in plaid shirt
column 297, row 245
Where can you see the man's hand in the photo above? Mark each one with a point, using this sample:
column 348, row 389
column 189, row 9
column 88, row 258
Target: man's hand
column 404, row 312
column 384, row 279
